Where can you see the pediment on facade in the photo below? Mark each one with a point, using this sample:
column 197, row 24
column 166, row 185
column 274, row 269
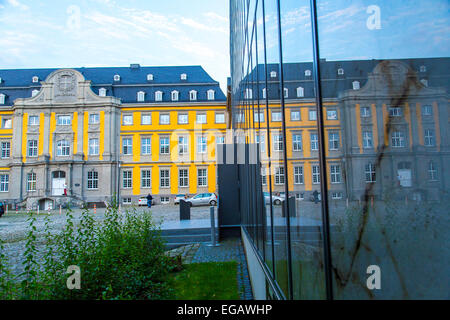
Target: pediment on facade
column 392, row 78
column 65, row 87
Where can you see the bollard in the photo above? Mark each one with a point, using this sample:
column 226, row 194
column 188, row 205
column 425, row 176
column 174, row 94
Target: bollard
column 213, row 228
column 60, row 210
column 17, row 208
column 95, row 208
column 38, row 209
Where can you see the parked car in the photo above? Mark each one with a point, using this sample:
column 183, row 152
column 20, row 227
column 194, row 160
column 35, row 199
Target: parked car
column 275, row 199
column 143, row 201
column 178, row 197
column 203, row 199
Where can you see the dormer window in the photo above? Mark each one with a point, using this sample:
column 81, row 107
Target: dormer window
column 307, row 73
column 174, row 95
column 192, row 95
column 2, row 98
column 286, row 92
column 149, row 77
column 356, row 85
column 140, row 96
column 273, row 74
column 424, row 82
column 300, row 92
column 423, row 69
column 158, row 95
column 248, row 94
column 116, row 77
column 35, row 79
column 183, row 76
column 0, row 80
column 340, row 71
column 264, row 93
column 102, row 92
column 211, row 94
column 34, row 92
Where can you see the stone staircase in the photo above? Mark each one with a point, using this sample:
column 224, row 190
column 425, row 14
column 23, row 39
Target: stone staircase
column 179, row 237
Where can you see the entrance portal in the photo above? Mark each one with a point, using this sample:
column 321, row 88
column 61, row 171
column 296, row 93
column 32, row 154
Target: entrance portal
column 58, row 183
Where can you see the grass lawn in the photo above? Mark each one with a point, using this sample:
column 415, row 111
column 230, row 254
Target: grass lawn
column 206, row 281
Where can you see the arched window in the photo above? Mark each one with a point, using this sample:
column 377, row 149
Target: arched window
column 300, row 92
column 140, row 96
column 116, row 77
column 355, row 85
column 174, row 95
column 158, row 96
column 102, row 92
column 192, row 95
column 211, row 94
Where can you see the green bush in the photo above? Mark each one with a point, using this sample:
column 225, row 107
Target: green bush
column 121, row 257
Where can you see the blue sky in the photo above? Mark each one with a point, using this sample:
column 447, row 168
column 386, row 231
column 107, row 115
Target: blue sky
column 58, row 33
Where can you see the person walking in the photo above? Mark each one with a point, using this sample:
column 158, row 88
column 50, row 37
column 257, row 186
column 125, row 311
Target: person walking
column 2, row 209
column 149, row 200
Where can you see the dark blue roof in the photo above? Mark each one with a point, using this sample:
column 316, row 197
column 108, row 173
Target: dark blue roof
column 294, row 76
column 165, row 79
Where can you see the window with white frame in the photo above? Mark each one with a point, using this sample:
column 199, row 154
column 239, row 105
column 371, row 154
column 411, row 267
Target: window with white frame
column 146, row 146
column 240, row 117
column 264, row 93
column 146, row 119
column 398, row 139
column 127, row 146
column 158, row 96
column 332, row 114
column 295, row 115
column 429, row 137
column 35, row 79
column 146, row 178
column 183, row 175
column 312, row 115
column 276, row 115
column 33, row 148
column 64, row 120
column 174, row 95
column 94, row 148
column 2, row 98
column 31, row 181
column 164, row 118
column 297, row 142
column 336, row 195
column 432, row 171
column 355, row 85
column 183, row 145
column 335, row 173
column 34, row 92
column 201, row 144
column 192, row 95
column 333, row 140
column 201, row 118
column 314, row 140
column 126, row 201
column 116, row 77
column 315, row 174
column 263, row 176
column 340, row 71
column 102, row 92
column 298, row 174
column 424, row 82
column 279, row 175
column 423, row 69
column 6, row 123
column 4, row 182
column 273, row 74
column 395, row 111
column 164, row 145
column 33, row 120
column 183, row 76
column 369, row 171
column 62, row 148
column 6, row 149
column 220, row 118
column 259, row 116
column 202, row 179
column 367, row 139
column 164, row 178
column 307, row 73
column 164, row 200
column 427, row 110
column 92, row 180
column 183, row 118
column 248, row 94
column 286, row 92
column 365, row 112
column 211, row 94
column 300, row 92
column 94, row 118
column 220, row 140
column 261, row 140
column 127, row 179
column 149, row 77
column 127, row 119
column 277, row 142
column 141, row 96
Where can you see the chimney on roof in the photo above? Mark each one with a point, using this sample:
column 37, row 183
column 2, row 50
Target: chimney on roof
column 135, row 66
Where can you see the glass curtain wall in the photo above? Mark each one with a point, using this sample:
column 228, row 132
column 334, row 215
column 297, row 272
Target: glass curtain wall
column 346, row 105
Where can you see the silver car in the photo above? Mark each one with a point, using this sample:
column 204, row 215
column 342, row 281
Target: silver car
column 203, row 199
column 178, row 197
column 275, row 199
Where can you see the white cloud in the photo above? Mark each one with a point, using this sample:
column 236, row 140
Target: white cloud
column 17, row 4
